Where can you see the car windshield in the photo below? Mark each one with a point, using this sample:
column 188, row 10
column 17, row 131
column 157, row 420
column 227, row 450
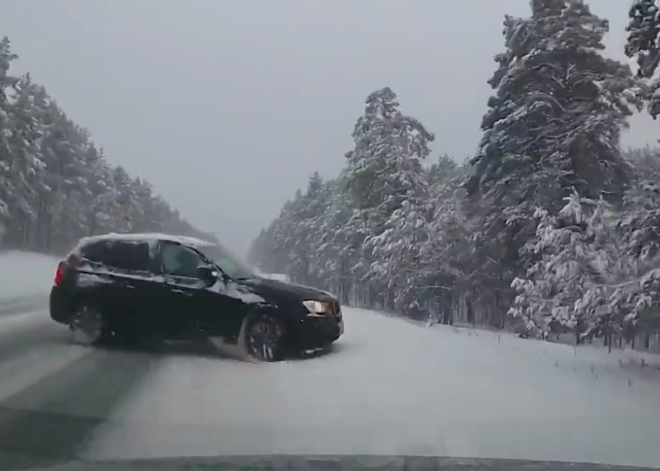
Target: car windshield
column 229, row 263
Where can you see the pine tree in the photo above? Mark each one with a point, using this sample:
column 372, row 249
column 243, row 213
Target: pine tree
column 389, row 192
column 556, row 213
column 55, row 184
column 557, row 291
column 7, row 81
column 554, row 124
column 385, row 166
column 644, row 44
column 560, row 105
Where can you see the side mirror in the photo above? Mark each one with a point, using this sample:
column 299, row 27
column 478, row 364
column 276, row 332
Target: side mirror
column 207, row 274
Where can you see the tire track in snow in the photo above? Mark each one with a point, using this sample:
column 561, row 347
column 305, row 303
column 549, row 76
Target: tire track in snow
column 22, row 332
column 31, row 348
column 51, row 419
column 176, row 411
column 31, row 366
column 22, row 303
column 330, row 404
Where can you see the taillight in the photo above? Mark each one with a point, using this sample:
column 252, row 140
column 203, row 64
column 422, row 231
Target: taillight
column 59, row 273
column 72, row 262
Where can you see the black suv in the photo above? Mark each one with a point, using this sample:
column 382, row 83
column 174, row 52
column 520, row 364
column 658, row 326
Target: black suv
column 129, row 287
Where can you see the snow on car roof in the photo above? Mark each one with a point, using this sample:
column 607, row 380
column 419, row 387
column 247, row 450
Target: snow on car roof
column 148, row 237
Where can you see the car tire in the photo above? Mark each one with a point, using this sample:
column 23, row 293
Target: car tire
column 89, row 325
column 263, row 337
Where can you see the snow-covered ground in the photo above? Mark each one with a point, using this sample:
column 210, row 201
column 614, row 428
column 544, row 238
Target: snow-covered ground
column 389, row 387
column 394, row 387
column 25, row 274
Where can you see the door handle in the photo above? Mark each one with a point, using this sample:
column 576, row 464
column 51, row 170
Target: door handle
column 178, row 291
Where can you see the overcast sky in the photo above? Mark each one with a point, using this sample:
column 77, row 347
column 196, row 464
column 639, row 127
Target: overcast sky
column 227, row 106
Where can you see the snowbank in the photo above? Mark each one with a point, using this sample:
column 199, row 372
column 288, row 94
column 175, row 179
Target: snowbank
column 25, row 274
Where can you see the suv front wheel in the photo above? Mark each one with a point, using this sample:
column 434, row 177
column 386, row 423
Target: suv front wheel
column 264, row 337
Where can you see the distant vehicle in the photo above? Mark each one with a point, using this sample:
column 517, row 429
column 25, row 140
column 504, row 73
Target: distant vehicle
column 129, row 287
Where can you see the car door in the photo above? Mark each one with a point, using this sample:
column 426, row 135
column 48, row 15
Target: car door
column 98, row 280
column 193, row 306
column 130, row 293
column 183, row 304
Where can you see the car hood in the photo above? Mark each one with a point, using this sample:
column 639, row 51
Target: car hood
column 279, row 290
column 325, row 462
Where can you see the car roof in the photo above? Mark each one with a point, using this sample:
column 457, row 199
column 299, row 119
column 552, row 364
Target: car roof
column 147, row 237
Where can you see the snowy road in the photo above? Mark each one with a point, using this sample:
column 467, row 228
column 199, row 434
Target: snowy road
column 389, row 387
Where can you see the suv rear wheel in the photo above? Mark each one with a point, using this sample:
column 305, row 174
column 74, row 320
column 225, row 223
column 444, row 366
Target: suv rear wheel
column 88, row 325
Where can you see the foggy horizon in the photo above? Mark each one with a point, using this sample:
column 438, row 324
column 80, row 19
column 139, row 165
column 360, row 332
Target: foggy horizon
column 227, row 113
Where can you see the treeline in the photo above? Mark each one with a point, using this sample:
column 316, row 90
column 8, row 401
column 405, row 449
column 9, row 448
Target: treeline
column 550, row 226
column 55, row 183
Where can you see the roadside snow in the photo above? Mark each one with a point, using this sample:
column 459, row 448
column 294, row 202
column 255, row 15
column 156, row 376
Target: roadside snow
column 25, row 274
column 393, row 387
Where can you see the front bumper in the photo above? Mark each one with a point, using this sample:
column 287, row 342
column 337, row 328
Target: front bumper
column 318, row 332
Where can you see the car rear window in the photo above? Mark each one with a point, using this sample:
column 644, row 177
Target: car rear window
column 94, row 251
column 122, row 254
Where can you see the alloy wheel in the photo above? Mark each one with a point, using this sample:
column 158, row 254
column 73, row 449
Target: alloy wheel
column 265, row 339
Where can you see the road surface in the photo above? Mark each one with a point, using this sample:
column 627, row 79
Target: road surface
column 389, row 387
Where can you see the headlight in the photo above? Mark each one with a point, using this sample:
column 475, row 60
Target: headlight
column 317, row 308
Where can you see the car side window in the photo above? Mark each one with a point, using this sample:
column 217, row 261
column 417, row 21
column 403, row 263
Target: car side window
column 94, row 252
column 128, row 255
column 122, row 254
column 179, row 260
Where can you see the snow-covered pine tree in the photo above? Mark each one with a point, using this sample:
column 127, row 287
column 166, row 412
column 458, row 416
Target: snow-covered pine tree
column 580, row 277
column 317, row 228
column 389, row 193
column 55, row 185
column 338, row 251
column 640, row 220
column 554, row 124
column 558, row 111
column 7, row 81
column 258, row 251
column 645, row 162
column 644, row 44
column 387, row 232
column 442, row 171
column 28, row 130
column 639, row 231
column 445, row 261
column 300, row 241
column 303, row 232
